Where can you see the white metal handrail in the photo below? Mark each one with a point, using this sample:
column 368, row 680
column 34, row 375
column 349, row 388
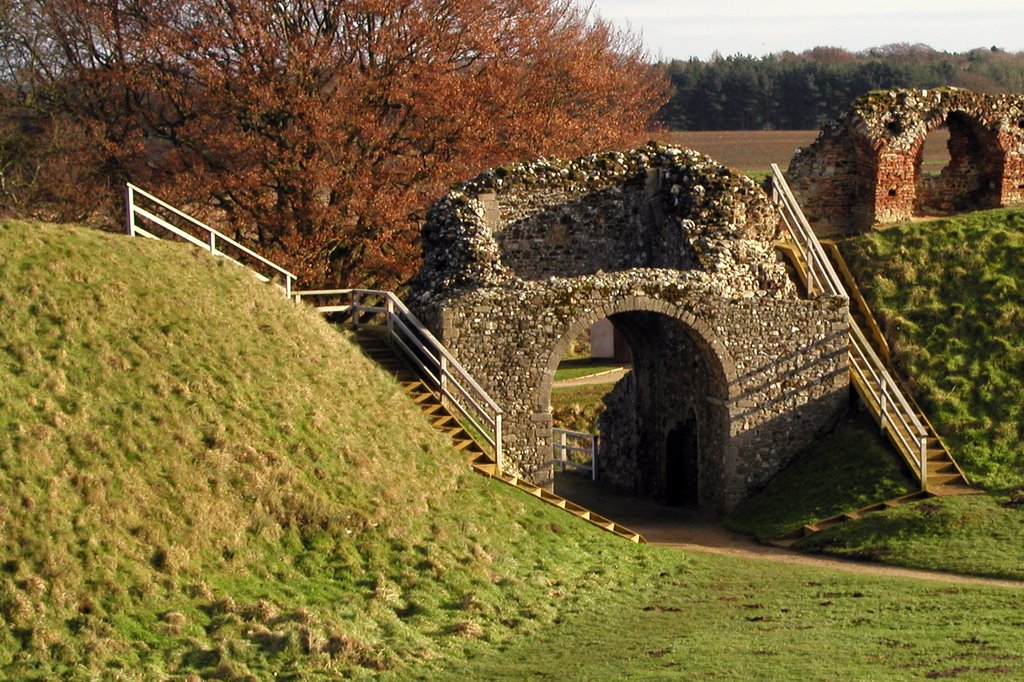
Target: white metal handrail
column 407, row 333
column 209, row 239
column 820, row 270
column 561, row 447
column 896, row 417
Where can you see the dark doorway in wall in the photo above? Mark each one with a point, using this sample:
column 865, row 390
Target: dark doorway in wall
column 682, row 472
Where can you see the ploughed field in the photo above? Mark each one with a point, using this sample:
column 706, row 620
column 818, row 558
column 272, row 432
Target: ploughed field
column 753, row 151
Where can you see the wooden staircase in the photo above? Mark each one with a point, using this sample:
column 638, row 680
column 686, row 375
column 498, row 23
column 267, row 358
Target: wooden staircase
column 808, row 529
column 373, row 342
column 945, row 477
column 942, row 475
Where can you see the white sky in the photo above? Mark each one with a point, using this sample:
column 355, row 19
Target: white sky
column 696, row 28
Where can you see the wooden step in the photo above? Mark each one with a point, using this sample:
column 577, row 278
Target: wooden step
column 954, row 489
column 490, row 469
column 941, row 466
column 944, row 479
column 481, row 458
column 442, row 420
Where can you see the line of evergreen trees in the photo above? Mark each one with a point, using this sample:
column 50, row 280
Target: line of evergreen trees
column 790, row 91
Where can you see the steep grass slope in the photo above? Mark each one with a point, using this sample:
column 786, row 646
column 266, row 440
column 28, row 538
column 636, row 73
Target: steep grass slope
column 199, row 476
column 951, row 294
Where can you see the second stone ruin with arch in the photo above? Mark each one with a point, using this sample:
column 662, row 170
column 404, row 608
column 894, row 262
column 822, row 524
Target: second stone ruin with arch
column 733, row 374
column 865, row 168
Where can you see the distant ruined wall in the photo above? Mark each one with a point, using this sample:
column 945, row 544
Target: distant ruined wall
column 865, row 168
column 677, row 251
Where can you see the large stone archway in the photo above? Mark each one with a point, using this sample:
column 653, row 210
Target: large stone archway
column 679, row 368
column 865, row 168
column 678, row 252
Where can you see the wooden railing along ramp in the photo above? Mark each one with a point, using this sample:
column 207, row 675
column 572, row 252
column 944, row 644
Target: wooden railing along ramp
column 898, row 416
column 389, row 334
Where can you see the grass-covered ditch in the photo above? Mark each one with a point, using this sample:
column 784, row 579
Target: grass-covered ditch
column 204, row 481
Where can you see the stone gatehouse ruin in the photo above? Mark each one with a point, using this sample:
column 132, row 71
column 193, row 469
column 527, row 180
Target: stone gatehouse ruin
column 865, row 168
column 733, row 372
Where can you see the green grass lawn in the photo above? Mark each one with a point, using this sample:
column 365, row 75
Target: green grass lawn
column 202, row 480
column 576, row 368
column 697, row 617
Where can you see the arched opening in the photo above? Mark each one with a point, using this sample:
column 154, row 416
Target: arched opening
column 663, row 430
column 958, row 167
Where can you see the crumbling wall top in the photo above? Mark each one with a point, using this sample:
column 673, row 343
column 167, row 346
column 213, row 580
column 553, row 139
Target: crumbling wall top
column 902, row 118
column 658, row 206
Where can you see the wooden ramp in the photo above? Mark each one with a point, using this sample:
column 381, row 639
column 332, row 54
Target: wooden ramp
column 374, row 345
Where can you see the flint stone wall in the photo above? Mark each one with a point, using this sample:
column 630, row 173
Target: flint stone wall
column 864, row 168
column 677, row 251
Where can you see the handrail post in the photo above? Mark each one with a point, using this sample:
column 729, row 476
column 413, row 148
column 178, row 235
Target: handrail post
column 389, row 305
column 442, row 375
column 130, row 204
column 355, row 310
column 593, row 457
column 498, row 455
column 213, row 243
column 924, row 461
column 883, row 402
column 563, row 443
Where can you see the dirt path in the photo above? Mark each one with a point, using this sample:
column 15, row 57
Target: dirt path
column 698, row 532
column 608, row 377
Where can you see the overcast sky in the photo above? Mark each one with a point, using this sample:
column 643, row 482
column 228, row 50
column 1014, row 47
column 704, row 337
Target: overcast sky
column 696, row 28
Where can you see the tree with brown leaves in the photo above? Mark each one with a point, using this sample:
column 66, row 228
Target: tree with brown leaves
column 318, row 130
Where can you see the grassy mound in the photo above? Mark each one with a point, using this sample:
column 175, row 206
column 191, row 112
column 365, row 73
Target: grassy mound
column 200, row 476
column 951, row 294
